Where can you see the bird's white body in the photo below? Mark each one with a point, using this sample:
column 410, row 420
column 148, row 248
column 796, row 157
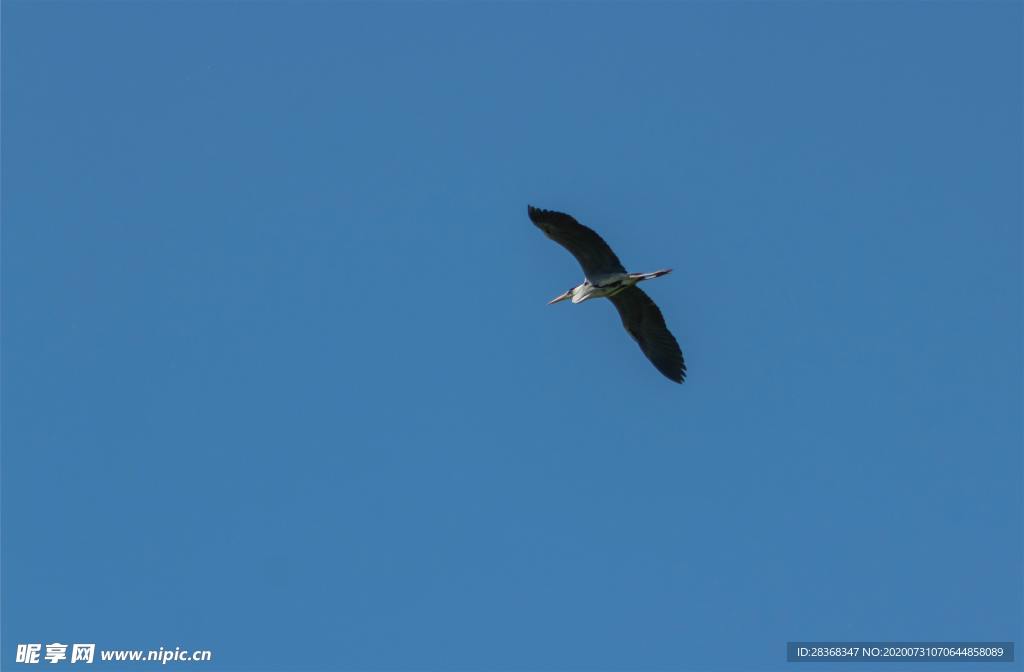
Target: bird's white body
column 607, row 285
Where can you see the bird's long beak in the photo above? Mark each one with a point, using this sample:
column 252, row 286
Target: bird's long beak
column 563, row 297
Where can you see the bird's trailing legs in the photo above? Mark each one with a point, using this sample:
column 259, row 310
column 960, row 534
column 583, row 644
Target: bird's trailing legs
column 637, row 277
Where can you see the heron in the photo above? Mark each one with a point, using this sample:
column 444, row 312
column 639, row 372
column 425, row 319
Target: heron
column 604, row 276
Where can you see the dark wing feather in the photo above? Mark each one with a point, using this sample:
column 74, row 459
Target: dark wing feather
column 590, row 250
column 644, row 322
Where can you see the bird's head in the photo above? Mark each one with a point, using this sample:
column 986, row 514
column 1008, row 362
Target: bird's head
column 562, row 297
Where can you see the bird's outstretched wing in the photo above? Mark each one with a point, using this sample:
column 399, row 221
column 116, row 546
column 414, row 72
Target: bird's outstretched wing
column 644, row 322
column 590, row 250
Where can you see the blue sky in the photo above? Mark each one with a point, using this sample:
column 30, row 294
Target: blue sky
column 279, row 380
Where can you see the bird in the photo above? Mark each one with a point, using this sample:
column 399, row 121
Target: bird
column 604, row 276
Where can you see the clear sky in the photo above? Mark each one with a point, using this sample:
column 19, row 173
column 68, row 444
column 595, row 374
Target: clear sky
column 279, row 380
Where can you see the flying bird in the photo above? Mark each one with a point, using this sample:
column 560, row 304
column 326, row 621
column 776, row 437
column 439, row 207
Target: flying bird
column 605, row 276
